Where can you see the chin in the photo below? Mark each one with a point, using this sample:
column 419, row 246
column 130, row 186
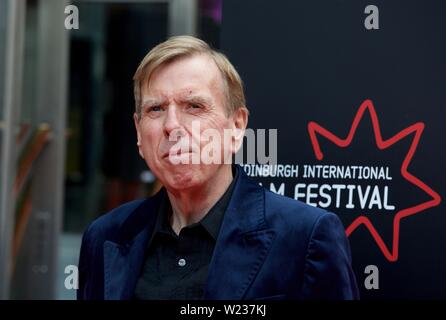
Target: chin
column 182, row 177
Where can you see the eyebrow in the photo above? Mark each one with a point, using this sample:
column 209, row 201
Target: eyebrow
column 149, row 102
column 197, row 99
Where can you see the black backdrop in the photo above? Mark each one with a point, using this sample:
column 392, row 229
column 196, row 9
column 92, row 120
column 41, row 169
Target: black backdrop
column 314, row 62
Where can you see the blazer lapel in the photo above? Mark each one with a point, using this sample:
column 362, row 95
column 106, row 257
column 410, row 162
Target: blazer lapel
column 242, row 244
column 124, row 257
column 122, row 264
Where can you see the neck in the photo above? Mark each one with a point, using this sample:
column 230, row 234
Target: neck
column 191, row 205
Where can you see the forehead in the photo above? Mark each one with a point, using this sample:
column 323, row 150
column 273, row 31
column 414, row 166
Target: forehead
column 190, row 74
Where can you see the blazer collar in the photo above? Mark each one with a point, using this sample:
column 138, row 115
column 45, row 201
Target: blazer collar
column 243, row 242
column 124, row 256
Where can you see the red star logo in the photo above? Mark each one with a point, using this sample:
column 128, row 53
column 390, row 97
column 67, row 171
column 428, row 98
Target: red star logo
column 417, row 128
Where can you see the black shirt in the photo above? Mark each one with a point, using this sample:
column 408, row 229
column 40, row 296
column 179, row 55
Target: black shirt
column 176, row 266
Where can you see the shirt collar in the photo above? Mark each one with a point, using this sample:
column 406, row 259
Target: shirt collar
column 211, row 222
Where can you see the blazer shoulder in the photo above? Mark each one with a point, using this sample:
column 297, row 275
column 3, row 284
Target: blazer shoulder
column 293, row 212
column 108, row 223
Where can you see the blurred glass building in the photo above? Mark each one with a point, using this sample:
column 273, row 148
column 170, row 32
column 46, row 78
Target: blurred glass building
column 67, row 142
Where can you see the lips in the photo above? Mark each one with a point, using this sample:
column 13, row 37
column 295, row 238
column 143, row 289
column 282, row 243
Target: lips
column 179, row 149
column 178, row 153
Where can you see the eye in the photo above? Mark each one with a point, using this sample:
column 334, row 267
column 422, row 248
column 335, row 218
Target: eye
column 194, row 106
column 155, row 109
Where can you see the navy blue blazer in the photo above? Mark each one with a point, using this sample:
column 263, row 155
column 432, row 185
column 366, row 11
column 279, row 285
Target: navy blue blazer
column 269, row 247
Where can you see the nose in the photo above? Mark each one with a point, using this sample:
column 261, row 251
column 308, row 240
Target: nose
column 172, row 122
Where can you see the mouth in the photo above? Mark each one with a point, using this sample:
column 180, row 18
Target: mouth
column 166, row 155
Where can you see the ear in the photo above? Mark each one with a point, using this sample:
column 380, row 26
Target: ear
column 240, row 121
column 138, row 134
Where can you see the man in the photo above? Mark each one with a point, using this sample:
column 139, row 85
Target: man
column 211, row 232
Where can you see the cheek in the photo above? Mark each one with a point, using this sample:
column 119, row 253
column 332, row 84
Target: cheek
column 212, row 130
column 215, row 124
column 150, row 135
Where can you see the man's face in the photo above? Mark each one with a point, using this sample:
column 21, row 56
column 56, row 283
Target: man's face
column 184, row 94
